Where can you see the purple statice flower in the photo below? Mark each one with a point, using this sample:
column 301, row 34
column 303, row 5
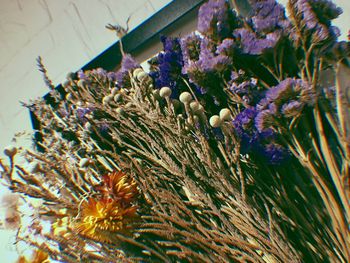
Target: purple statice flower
column 208, row 61
column 190, row 47
column 265, row 119
column 268, row 16
column 226, row 47
column 290, row 89
column 251, row 44
column 128, row 63
column 170, row 63
column 259, row 143
column 215, row 19
column 246, row 88
column 292, row 108
column 209, row 68
column 315, row 17
column 244, row 121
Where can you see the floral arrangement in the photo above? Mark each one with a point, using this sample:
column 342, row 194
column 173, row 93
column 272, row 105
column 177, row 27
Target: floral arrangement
column 234, row 147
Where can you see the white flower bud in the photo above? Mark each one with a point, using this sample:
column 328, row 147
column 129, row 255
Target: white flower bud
column 10, row 151
column 225, row 114
column 165, row 92
column 114, row 91
column 136, row 72
column 185, row 97
column 215, row 121
column 80, row 103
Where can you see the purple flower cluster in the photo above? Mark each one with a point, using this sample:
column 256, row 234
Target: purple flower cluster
column 287, row 100
column 315, row 16
column 259, row 143
column 215, row 19
column 245, row 87
column 208, row 64
column 122, row 75
column 268, row 17
column 251, row 44
column 170, row 64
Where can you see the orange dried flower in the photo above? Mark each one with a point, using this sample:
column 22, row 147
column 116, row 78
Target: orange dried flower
column 100, row 218
column 118, row 186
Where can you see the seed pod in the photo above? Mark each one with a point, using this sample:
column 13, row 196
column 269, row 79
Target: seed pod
column 215, row 121
column 185, row 97
column 165, row 92
column 155, row 93
column 225, row 114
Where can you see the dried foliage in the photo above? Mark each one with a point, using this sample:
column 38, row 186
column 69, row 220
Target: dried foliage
column 133, row 171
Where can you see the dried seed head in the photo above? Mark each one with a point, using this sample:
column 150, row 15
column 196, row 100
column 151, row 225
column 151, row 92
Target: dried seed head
column 185, row 97
column 10, row 151
column 225, row 114
column 215, row 121
column 165, row 92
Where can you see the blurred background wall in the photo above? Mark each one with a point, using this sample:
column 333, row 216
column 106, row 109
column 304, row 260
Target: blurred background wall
column 67, row 34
